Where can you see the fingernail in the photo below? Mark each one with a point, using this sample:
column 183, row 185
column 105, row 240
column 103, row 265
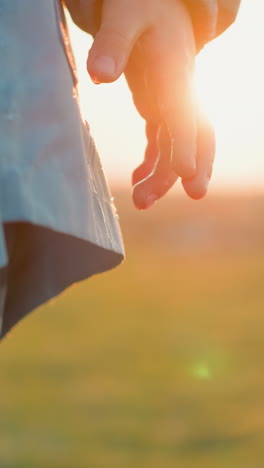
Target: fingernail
column 102, row 67
column 150, row 200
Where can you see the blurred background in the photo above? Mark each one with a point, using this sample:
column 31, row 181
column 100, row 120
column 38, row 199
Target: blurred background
column 158, row 363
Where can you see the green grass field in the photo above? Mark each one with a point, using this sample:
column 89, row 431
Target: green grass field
column 157, row 364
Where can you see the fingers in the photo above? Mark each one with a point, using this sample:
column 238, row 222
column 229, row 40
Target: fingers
column 135, row 74
column 168, row 77
column 156, row 176
column 115, row 39
column 178, row 113
column 196, row 187
column 151, row 154
column 161, row 179
column 171, row 54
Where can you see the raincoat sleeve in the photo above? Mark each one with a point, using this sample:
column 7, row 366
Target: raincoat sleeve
column 209, row 17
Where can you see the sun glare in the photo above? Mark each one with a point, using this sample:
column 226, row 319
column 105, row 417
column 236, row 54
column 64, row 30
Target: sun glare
column 229, row 84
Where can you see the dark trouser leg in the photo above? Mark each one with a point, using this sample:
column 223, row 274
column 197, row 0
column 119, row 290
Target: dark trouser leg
column 9, row 230
column 3, row 291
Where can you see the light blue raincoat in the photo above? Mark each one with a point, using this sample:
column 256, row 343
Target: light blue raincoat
column 57, row 221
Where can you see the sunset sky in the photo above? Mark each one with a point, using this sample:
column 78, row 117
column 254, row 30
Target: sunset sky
column 230, row 83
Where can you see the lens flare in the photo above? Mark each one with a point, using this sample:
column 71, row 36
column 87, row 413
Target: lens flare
column 201, row 371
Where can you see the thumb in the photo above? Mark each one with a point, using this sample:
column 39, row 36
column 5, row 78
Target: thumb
column 121, row 26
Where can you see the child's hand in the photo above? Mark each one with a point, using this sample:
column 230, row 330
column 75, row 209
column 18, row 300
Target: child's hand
column 152, row 42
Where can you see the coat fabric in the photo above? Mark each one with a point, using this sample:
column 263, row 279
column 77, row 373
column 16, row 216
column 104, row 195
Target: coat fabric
column 57, row 221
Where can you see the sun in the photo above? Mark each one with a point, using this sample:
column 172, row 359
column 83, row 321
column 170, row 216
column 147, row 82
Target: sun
column 229, row 77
